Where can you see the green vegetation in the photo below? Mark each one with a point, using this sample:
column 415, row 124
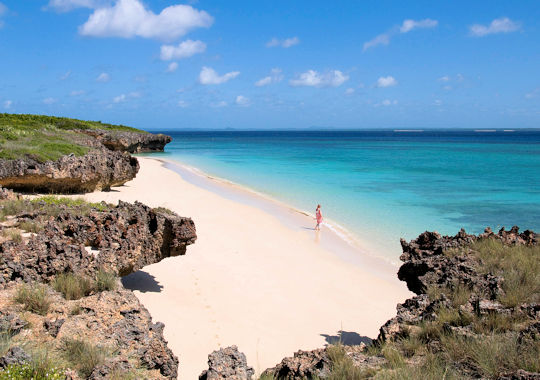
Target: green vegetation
column 518, row 265
column 105, row 281
column 31, row 371
column 84, row 356
column 446, row 346
column 12, row 234
column 342, row 365
column 48, row 205
column 34, row 298
column 163, row 210
column 46, row 138
column 74, row 286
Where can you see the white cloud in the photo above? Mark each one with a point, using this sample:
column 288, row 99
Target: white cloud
column 103, row 78
column 381, row 39
column 219, row 104
column 312, row 78
column 263, row 81
column 274, row 77
column 66, row 75
column 182, row 104
column 388, row 81
column 8, row 104
column 286, row 43
column 386, row 103
column 533, row 94
column 499, row 25
column 242, row 101
column 49, row 101
column 445, row 78
column 130, row 18
column 123, row 97
column 3, row 10
column 210, row 76
column 120, row 98
column 349, row 91
column 77, row 92
column 437, row 102
column 68, row 5
column 171, row 68
column 409, row 25
column 183, row 50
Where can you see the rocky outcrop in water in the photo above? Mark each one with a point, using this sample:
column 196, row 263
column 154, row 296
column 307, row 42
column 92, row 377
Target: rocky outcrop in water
column 97, row 170
column 121, row 239
column 131, row 142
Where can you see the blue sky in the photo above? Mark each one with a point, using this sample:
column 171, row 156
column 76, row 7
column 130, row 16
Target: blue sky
column 159, row 64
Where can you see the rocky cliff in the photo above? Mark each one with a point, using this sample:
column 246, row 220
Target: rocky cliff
column 131, row 142
column 59, row 288
column 59, row 155
column 476, row 315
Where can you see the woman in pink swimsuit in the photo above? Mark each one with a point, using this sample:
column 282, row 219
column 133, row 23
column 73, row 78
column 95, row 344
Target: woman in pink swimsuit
column 318, row 216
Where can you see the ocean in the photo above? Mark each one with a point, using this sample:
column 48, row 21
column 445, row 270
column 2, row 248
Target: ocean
column 382, row 185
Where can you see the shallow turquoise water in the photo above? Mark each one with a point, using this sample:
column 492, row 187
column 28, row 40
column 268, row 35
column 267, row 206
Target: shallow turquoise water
column 382, row 185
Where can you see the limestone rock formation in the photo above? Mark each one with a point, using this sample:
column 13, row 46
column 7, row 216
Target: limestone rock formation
column 122, row 239
column 227, row 363
column 131, row 142
column 96, row 170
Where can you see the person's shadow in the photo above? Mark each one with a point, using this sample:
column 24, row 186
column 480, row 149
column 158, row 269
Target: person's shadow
column 347, row 338
column 141, row 281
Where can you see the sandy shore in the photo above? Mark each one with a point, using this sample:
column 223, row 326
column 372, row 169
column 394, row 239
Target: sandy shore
column 268, row 286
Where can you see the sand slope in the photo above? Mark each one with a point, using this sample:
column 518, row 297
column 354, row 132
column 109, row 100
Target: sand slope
column 249, row 280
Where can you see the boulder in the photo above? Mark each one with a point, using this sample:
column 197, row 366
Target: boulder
column 227, row 363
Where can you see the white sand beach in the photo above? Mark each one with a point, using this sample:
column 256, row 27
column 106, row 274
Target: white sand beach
column 252, row 280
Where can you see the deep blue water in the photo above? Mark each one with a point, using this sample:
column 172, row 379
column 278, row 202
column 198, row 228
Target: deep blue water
column 383, row 185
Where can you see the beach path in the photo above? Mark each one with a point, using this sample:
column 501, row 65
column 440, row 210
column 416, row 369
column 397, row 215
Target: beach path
column 249, row 280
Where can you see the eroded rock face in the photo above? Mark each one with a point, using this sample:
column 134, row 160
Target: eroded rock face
column 317, row 364
column 113, row 320
column 122, row 240
column 425, row 262
column 96, row 170
column 227, row 363
column 131, row 142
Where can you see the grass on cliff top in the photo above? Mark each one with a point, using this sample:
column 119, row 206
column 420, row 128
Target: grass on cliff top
column 46, row 138
column 519, row 266
column 49, row 205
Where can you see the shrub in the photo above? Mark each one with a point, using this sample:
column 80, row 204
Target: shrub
column 12, row 234
column 29, row 371
column 34, row 297
column 106, row 281
column 343, row 366
column 73, row 286
column 394, row 357
column 163, row 210
column 30, row 226
column 84, row 356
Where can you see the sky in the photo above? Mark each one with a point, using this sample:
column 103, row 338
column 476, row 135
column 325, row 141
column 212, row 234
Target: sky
column 274, row 64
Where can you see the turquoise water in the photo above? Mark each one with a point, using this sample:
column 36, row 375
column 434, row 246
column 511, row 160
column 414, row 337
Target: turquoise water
column 382, row 185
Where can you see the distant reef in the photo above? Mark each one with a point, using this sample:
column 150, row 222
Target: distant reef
column 476, row 315
column 64, row 314
column 61, row 155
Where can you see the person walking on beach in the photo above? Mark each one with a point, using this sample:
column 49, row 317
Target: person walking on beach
column 318, row 216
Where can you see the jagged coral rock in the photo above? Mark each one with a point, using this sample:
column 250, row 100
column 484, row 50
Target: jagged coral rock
column 125, row 238
column 96, row 170
column 131, row 142
column 227, row 363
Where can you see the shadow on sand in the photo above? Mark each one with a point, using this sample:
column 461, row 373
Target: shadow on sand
column 141, row 281
column 347, row 338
